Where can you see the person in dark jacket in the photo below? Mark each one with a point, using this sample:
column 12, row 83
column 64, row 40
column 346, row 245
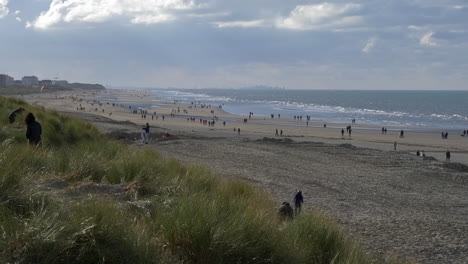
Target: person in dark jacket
column 298, row 201
column 13, row 114
column 285, row 212
column 34, row 130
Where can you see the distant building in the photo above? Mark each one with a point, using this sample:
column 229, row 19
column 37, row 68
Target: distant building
column 30, row 80
column 18, row 82
column 60, row 83
column 45, row 82
column 6, row 80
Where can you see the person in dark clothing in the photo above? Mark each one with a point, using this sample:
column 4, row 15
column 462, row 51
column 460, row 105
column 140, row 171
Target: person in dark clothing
column 13, row 114
column 298, row 201
column 34, row 130
column 285, row 212
column 447, row 156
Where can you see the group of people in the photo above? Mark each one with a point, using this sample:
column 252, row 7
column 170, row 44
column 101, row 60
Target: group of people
column 286, row 212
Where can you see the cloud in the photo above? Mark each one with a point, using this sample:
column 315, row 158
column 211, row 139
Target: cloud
column 244, row 24
column 369, row 45
column 4, row 8
column 427, row 40
column 18, row 19
column 320, row 16
column 140, row 12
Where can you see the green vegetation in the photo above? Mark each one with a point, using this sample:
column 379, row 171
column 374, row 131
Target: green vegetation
column 148, row 210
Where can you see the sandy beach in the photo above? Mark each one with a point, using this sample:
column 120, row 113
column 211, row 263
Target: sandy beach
column 392, row 200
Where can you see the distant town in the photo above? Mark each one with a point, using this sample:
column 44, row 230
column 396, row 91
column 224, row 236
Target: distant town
column 6, row 80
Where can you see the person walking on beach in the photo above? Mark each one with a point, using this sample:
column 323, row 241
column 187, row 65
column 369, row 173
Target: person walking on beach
column 281, row 132
column 447, row 156
column 394, row 145
column 276, row 134
column 33, row 130
column 298, row 201
column 342, row 132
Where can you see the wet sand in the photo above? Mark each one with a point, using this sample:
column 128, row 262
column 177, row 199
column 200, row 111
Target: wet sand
column 392, row 200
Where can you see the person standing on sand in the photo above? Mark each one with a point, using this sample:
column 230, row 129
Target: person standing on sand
column 394, row 145
column 34, row 130
column 447, row 156
column 276, row 133
column 342, row 132
column 238, row 131
column 298, row 201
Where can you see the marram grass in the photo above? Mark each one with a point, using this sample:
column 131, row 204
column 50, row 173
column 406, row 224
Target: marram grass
column 169, row 213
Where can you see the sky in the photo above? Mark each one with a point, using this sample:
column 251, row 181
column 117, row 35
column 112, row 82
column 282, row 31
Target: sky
column 297, row 44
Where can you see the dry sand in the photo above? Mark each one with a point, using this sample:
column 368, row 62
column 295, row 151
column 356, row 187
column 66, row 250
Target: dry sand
column 392, row 200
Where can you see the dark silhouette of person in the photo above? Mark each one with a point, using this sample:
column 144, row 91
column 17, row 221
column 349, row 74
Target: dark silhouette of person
column 342, row 132
column 13, row 114
column 238, row 131
column 33, row 130
column 276, row 133
column 298, row 201
column 285, row 212
column 447, row 156
column 281, row 132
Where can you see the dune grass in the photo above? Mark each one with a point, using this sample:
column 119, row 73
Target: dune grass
column 170, row 212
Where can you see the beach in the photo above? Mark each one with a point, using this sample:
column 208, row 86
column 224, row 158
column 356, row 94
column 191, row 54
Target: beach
column 392, row 200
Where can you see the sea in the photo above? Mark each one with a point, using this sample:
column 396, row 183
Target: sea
column 436, row 110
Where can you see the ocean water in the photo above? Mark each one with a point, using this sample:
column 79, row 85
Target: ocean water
column 424, row 109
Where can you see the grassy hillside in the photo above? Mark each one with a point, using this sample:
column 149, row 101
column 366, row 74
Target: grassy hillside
column 148, row 210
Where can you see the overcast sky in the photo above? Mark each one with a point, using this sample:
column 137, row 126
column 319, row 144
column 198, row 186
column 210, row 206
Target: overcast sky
column 298, row 44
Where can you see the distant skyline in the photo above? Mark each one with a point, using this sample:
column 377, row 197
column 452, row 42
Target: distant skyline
column 297, row 44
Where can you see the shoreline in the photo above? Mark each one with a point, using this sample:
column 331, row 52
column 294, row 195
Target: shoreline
column 366, row 136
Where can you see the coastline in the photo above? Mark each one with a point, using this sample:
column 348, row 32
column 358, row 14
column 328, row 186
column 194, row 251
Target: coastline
column 427, row 140
column 392, row 200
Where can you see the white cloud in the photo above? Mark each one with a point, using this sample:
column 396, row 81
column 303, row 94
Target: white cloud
column 18, row 19
column 244, row 24
column 140, row 12
column 17, row 12
column 369, row 45
column 4, row 8
column 320, row 16
column 427, row 40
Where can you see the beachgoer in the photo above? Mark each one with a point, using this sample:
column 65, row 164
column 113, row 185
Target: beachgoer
column 281, row 132
column 342, row 132
column 276, row 133
column 394, row 145
column 13, row 114
column 418, row 153
column 147, row 131
column 238, row 131
column 285, row 212
column 447, row 156
column 402, row 133
column 34, row 130
column 298, row 201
